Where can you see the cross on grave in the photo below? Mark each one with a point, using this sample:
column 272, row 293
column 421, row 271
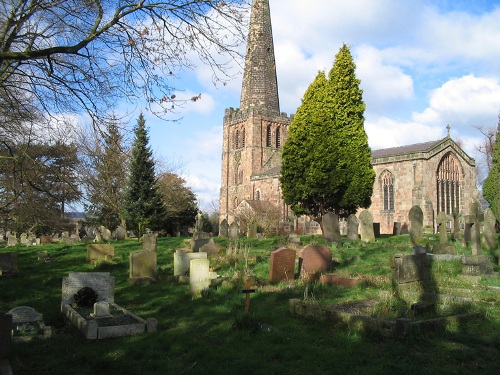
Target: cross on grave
column 247, row 291
column 474, row 219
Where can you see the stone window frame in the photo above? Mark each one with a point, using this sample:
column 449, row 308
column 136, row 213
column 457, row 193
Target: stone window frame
column 277, row 137
column 258, row 195
column 387, row 182
column 449, row 178
column 243, row 137
column 269, row 135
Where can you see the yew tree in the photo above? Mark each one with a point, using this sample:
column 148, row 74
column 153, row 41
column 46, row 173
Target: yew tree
column 326, row 160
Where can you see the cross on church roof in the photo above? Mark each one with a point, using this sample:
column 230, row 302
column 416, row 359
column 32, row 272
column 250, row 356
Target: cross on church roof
column 448, row 127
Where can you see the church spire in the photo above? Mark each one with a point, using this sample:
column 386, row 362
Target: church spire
column 260, row 86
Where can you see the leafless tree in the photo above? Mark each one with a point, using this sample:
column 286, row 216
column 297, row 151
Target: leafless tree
column 485, row 148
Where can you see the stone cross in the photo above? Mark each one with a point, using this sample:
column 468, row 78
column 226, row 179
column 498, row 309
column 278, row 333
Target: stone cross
column 474, row 219
column 247, row 291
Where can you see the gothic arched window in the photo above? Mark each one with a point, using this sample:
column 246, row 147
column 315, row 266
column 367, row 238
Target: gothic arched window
column 237, row 140
column 268, row 136
column 387, row 182
column 243, row 138
column 278, row 138
column 448, row 184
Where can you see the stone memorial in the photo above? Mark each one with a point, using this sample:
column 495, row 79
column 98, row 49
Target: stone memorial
column 199, row 240
column 489, row 231
column 43, row 255
column 443, row 234
column 234, row 231
column 331, row 228
column 199, row 278
column 313, row 260
column 142, row 267
column 102, row 282
column 11, row 240
column 149, row 242
column 416, row 218
column 105, row 233
column 28, row 322
column 97, row 252
column 455, row 235
column 366, row 227
column 23, row 239
column 252, row 229
column 212, row 249
column 46, row 239
column 8, row 264
column 408, row 268
column 396, row 228
column 476, row 265
column 223, row 228
column 120, row 233
column 101, row 310
column 475, row 219
column 182, row 261
column 282, row 266
column 352, row 228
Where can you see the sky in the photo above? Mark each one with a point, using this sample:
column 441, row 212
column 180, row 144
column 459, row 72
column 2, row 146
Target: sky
column 423, row 64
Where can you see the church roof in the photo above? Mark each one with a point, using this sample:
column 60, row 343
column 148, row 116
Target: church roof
column 258, row 206
column 408, row 149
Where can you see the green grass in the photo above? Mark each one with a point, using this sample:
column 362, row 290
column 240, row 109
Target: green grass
column 212, row 336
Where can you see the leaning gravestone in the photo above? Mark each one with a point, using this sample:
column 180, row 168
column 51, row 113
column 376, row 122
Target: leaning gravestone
column 143, row 267
column 352, row 228
column 331, row 229
column 199, row 278
column 105, row 233
column 234, row 231
column 489, row 232
column 314, row 259
column 182, row 261
column 149, row 242
column 367, row 234
column 223, row 228
column 120, row 233
column 8, row 264
column 416, row 217
column 100, row 251
column 211, row 248
column 282, row 267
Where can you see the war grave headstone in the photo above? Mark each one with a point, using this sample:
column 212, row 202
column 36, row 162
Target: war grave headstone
column 223, row 228
column 142, row 267
column 8, row 264
column 331, row 229
column 366, row 226
column 120, row 233
column 443, row 247
column 352, row 228
column 234, row 231
column 182, row 261
column 96, row 252
column 28, row 323
column 92, row 327
column 199, row 278
column 11, row 240
column 282, row 266
column 416, row 218
column 149, row 242
column 313, row 260
column 489, row 232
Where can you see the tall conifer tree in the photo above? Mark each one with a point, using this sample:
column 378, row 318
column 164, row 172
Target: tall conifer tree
column 143, row 206
column 491, row 186
column 326, row 164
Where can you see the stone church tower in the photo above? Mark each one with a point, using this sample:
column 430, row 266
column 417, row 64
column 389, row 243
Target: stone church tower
column 254, row 133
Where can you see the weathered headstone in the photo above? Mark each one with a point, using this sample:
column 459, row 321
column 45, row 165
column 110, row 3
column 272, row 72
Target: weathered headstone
column 396, row 228
column 476, row 265
column 234, row 231
column 211, row 248
column 352, row 228
column 27, row 320
column 223, row 228
column 149, row 242
column 102, row 282
column 407, row 268
column 8, row 264
column 455, row 235
column 24, row 239
column 43, row 255
column 489, row 232
column 314, row 259
column 182, row 261
column 142, row 267
column 105, row 233
column 282, row 267
column 366, row 227
column 100, row 251
column 199, row 276
column 252, row 229
column 11, row 239
column 416, row 217
column 120, row 233
column 475, row 219
column 331, row 229
column 101, row 310
column 199, row 240
column 46, row 239
column 443, row 234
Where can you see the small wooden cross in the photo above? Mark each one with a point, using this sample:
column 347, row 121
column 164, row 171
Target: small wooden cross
column 247, row 291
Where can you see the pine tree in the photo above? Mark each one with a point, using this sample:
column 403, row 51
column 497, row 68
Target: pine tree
column 491, row 186
column 143, row 207
column 326, row 161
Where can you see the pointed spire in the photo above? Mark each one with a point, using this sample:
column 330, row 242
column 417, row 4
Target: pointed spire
column 260, row 84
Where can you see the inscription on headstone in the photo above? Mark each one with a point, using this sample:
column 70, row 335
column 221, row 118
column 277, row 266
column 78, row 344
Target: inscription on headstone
column 199, row 276
column 408, row 268
column 101, row 282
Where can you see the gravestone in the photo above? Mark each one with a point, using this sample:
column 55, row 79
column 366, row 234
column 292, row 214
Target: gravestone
column 105, row 233
column 314, row 259
column 366, row 227
column 102, row 282
column 46, row 239
column 211, row 248
column 407, row 268
column 11, row 240
column 475, row 219
column 443, row 234
column 149, row 242
column 100, row 251
column 352, row 228
column 223, row 228
column 8, row 264
column 234, row 231
column 142, row 267
column 5, row 335
column 182, row 261
column 489, row 232
column 120, row 233
column 23, row 239
column 101, row 310
column 27, row 320
column 376, row 230
column 199, row 278
column 252, row 229
column 282, row 266
column 455, row 235
column 199, row 240
column 331, row 229
column 416, row 217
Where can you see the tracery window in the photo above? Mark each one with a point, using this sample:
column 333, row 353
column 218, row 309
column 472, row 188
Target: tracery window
column 448, row 184
column 387, row 181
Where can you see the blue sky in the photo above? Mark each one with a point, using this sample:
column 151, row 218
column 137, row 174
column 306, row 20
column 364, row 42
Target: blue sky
column 423, row 64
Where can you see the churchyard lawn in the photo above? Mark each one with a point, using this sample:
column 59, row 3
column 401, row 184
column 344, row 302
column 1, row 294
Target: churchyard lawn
column 211, row 334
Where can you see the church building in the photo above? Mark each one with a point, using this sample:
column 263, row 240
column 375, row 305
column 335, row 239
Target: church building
column 438, row 176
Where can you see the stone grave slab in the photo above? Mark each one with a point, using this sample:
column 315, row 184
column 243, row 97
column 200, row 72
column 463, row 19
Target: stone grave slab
column 407, row 268
column 182, row 261
column 366, row 226
column 200, row 240
column 8, row 264
column 313, row 260
column 102, row 282
column 282, row 266
column 476, row 265
column 199, row 278
column 100, row 251
column 142, row 267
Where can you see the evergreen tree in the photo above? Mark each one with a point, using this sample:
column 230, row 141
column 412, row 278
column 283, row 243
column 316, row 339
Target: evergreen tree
column 491, row 186
column 143, row 206
column 326, row 161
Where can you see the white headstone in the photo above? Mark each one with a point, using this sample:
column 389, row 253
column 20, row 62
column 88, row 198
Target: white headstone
column 199, row 278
